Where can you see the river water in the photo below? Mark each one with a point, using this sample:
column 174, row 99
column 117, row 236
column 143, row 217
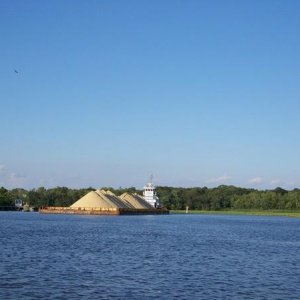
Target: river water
column 148, row 257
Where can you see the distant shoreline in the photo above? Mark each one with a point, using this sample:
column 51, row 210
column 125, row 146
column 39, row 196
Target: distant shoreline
column 250, row 212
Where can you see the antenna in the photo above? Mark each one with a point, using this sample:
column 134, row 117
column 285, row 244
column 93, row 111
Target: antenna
column 151, row 178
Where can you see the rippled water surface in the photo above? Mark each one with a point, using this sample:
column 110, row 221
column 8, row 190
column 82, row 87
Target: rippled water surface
column 148, row 257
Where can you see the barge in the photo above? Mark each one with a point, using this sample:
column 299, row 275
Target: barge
column 101, row 202
column 103, row 211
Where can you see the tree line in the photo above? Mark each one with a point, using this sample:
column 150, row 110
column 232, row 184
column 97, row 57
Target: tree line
column 175, row 198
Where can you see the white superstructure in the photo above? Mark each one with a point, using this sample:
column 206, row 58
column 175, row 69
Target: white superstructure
column 150, row 194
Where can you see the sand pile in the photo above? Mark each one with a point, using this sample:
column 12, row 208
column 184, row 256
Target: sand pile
column 136, row 201
column 92, row 200
column 111, row 197
column 107, row 199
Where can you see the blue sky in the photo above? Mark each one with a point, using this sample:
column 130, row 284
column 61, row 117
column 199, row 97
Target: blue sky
column 197, row 93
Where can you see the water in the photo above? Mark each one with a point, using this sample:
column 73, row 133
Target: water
column 148, row 257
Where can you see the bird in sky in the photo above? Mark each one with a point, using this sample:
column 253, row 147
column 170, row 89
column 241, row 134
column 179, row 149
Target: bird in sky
column 16, row 72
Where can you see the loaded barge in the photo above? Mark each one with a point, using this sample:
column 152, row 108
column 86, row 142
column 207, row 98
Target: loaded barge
column 101, row 202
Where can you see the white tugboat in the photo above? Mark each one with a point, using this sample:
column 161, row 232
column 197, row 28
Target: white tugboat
column 150, row 194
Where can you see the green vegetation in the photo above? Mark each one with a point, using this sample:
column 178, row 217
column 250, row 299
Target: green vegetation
column 229, row 197
column 225, row 199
